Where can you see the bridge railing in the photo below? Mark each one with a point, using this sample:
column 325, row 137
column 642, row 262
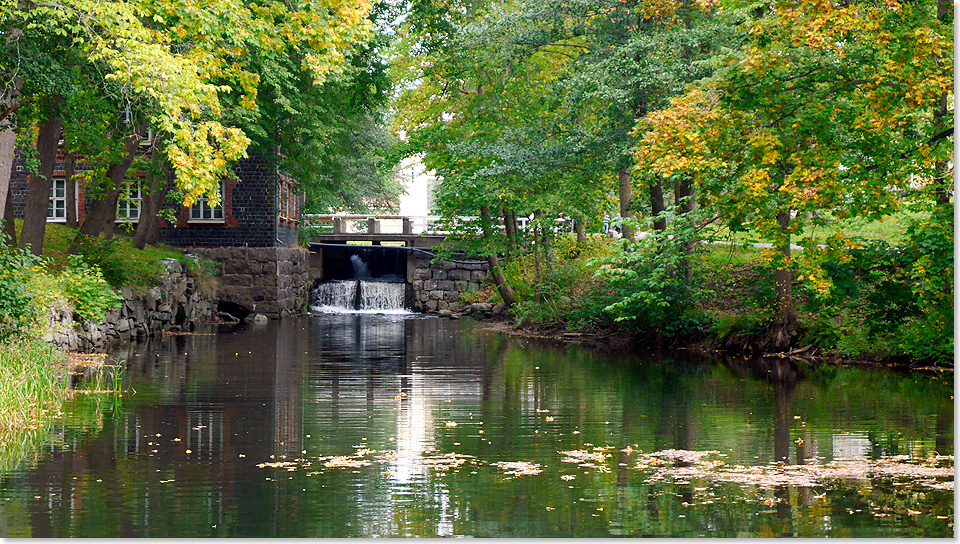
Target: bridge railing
column 374, row 224
column 400, row 224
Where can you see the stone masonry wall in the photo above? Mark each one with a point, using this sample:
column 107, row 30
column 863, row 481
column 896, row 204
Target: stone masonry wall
column 439, row 286
column 273, row 281
column 176, row 303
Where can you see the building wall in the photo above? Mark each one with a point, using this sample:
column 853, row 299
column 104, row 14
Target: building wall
column 249, row 209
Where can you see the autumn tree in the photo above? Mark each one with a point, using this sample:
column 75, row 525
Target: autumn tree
column 828, row 108
column 175, row 64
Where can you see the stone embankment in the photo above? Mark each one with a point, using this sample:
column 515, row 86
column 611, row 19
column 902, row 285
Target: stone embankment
column 439, row 286
column 272, row 281
column 177, row 303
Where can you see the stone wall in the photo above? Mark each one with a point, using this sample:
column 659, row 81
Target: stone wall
column 272, row 281
column 175, row 304
column 439, row 286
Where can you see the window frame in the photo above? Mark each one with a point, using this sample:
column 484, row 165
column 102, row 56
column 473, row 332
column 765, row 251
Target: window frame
column 122, row 199
column 52, row 199
column 201, row 205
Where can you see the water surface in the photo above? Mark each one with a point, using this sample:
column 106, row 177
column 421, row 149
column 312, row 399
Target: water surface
column 390, row 425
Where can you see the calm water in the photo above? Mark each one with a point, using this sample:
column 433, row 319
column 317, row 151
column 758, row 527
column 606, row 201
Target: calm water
column 367, row 425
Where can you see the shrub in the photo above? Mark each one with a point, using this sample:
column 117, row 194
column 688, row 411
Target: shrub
column 20, row 313
column 648, row 282
column 86, row 289
column 105, row 255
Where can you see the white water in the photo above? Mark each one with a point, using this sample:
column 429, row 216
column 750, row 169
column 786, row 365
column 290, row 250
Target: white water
column 376, row 297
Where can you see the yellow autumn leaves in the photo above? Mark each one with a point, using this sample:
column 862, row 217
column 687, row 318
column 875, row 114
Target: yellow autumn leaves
column 179, row 59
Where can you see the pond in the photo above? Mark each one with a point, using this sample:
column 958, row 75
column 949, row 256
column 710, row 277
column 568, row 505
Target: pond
column 364, row 425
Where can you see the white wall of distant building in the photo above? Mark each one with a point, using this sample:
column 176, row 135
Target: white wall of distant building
column 417, row 182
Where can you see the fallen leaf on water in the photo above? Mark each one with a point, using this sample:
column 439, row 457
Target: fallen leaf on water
column 519, row 468
column 451, row 424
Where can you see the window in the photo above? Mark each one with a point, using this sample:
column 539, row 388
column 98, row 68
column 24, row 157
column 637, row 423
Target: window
column 203, row 211
column 57, row 209
column 129, row 201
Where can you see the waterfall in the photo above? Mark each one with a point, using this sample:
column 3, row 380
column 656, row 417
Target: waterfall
column 364, row 296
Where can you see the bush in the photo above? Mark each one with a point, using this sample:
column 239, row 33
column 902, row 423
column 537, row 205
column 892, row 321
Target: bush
column 86, row 290
column 892, row 301
column 28, row 290
column 105, row 255
column 649, row 287
column 20, row 313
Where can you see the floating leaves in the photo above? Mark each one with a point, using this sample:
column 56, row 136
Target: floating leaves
column 595, row 459
column 519, row 468
column 347, row 461
column 447, row 461
column 683, row 466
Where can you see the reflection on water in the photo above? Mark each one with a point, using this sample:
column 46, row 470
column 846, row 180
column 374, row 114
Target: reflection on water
column 379, row 425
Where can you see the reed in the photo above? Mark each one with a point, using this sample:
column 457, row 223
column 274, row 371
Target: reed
column 31, row 383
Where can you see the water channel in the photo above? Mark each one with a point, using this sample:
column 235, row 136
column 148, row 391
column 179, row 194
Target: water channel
column 363, row 424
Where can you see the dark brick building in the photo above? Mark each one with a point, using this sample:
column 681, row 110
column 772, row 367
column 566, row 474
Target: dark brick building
column 261, row 210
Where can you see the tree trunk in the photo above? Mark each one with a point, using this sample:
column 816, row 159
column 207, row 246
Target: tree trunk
column 657, row 205
column 8, row 140
column 785, row 320
column 941, row 168
column 103, row 211
column 684, row 194
column 69, row 169
column 510, row 226
column 942, row 178
column 506, row 292
column 626, row 190
column 9, row 227
column 8, row 137
column 148, row 229
column 38, row 192
column 581, row 231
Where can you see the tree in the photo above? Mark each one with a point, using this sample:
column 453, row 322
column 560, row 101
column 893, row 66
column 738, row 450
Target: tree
column 828, row 108
column 174, row 65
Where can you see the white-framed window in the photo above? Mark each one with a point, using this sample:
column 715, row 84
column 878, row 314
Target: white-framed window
column 203, row 211
column 129, row 201
column 57, row 209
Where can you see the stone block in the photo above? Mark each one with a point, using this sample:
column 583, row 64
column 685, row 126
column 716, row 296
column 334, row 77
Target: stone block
column 478, row 275
column 445, row 285
column 439, row 274
column 422, row 274
column 459, row 274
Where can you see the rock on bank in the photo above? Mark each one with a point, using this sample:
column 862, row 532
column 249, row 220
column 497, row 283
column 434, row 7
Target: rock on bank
column 175, row 304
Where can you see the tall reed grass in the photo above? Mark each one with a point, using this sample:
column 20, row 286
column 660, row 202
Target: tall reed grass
column 31, row 383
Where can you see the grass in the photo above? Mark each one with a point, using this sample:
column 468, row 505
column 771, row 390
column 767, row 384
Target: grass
column 136, row 267
column 31, row 383
column 891, row 229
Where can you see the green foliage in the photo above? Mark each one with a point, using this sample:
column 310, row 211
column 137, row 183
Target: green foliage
column 651, row 283
column 86, row 290
column 889, row 301
column 728, row 328
column 104, row 255
column 20, row 313
column 31, row 383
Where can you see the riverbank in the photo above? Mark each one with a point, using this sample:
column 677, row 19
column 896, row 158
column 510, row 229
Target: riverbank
column 178, row 301
column 622, row 343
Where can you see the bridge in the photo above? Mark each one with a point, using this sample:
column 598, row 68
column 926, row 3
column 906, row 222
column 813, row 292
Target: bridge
column 411, row 231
